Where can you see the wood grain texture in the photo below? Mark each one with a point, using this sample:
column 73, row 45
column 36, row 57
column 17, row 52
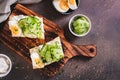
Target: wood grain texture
column 21, row 46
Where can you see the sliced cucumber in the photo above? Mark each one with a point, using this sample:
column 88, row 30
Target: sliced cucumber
column 51, row 52
column 48, row 56
column 80, row 25
column 31, row 25
column 43, row 51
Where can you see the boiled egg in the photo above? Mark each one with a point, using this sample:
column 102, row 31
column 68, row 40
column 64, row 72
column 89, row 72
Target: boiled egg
column 36, row 59
column 13, row 25
column 72, row 4
column 61, row 5
column 16, row 31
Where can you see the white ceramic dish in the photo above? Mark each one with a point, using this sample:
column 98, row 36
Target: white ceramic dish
column 8, row 62
column 69, row 10
column 70, row 25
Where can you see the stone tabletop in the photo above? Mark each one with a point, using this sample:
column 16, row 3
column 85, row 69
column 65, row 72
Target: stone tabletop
column 105, row 18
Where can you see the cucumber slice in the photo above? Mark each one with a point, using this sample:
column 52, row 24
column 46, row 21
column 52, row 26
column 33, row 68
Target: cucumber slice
column 26, row 32
column 48, row 57
column 43, row 51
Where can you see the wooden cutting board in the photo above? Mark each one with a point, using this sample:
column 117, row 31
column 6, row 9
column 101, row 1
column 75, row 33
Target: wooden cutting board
column 21, row 46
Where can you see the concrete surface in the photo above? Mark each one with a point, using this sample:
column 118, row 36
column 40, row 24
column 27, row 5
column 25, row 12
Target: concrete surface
column 105, row 17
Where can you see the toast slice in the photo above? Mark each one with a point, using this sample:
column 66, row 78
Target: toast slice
column 46, row 54
column 26, row 26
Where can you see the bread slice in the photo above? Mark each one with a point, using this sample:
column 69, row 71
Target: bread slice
column 26, row 26
column 46, row 54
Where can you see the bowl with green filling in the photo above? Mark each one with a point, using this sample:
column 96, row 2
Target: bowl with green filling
column 79, row 25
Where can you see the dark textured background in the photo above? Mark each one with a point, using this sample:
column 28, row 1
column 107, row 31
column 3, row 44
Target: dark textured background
column 105, row 17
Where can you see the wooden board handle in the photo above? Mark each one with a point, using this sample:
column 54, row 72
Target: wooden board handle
column 77, row 50
column 85, row 50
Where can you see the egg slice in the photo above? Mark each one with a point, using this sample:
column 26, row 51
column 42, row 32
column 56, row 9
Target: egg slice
column 72, row 4
column 16, row 31
column 61, row 5
column 13, row 25
column 36, row 59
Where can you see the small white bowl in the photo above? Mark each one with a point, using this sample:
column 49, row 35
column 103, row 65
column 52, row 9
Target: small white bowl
column 8, row 61
column 70, row 25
